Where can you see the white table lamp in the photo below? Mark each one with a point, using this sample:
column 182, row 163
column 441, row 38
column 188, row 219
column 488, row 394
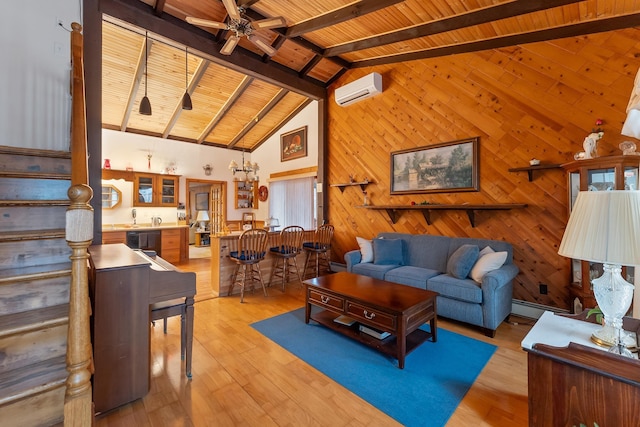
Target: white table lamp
column 203, row 218
column 604, row 227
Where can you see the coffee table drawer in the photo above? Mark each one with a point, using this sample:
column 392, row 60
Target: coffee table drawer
column 370, row 316
column 322, row 299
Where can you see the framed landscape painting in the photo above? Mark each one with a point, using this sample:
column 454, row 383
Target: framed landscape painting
column 441, row 168
column 293, row 145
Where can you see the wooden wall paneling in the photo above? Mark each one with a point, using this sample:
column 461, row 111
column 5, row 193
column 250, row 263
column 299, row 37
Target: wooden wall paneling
column 536, row 100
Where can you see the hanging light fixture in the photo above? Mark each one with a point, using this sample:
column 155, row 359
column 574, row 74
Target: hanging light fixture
column 186, row 99
column 145, row 105
column 247, row 168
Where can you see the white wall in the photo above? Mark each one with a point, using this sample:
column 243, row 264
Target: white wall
column 268, row 154
column 34, row 75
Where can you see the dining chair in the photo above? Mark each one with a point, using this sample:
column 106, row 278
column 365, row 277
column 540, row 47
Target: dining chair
column 284, row 255
column 319, row 249
column 252, row 248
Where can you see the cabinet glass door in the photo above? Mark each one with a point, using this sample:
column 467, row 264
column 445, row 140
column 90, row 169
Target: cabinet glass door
column 168, row 191
column 145, row 190
column 601, row 179
column 631, row 178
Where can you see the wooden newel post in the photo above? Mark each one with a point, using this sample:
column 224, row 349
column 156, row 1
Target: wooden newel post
column 78, row 409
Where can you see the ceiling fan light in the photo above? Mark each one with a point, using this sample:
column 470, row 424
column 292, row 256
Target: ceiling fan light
column 186, row 102
column 145, row 106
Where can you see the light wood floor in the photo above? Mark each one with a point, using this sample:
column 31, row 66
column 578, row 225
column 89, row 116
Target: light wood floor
column 242, row 378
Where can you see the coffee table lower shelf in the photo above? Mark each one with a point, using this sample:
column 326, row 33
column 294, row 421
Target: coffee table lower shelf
column 387, row 345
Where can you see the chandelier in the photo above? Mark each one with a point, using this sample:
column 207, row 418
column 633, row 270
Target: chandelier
column 247, row 168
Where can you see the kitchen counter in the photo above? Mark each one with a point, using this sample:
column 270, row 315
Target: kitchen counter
column 170, row 240
column 129, row 227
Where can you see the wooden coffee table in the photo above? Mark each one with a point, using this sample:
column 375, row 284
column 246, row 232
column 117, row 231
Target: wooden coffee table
column 385, row 306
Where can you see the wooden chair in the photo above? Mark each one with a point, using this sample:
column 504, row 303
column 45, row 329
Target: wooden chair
column 284, row 255
column 252, row 248
column 319, row 248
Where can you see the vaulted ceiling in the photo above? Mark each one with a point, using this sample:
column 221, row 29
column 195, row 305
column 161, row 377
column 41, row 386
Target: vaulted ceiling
column 240, row 100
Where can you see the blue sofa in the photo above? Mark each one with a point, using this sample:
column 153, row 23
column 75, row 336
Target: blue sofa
column 424, row 264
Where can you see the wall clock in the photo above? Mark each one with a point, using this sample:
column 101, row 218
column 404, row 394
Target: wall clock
column 263, row 193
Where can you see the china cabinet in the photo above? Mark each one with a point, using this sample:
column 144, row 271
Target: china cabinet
column 246, row 194
column 155, row 190
column 598, row 174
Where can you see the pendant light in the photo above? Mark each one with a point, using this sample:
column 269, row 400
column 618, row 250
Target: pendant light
column 186, row 99
column 145, row 105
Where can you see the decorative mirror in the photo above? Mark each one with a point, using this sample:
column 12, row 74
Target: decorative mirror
column 111, row 196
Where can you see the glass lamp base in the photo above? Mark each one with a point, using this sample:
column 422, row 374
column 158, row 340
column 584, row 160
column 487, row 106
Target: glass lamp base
column 621, row 350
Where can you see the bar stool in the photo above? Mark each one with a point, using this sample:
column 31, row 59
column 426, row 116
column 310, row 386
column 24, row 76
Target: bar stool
column 319, row 248
column 287, row 251
column 252, row 248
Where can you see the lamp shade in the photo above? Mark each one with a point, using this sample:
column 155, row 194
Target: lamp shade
column 604, row 226
column 202, row 216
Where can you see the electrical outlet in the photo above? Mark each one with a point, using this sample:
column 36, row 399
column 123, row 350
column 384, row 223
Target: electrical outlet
column 543, row 289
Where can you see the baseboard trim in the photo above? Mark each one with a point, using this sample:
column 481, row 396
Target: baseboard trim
column 532, row 310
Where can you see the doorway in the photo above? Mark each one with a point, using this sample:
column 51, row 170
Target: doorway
column 206, row 210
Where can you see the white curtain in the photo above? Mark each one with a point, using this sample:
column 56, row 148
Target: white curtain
column 293, row 202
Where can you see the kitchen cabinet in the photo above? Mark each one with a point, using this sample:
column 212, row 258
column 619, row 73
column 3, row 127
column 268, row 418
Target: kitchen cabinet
column 151, row 189
column 246, row 194
column 109, row 237
column 598, row 174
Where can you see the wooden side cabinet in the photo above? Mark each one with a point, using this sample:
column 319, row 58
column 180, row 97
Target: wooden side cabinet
column 599, row 174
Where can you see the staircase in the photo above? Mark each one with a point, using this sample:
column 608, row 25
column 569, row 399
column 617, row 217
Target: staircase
column 35, row 277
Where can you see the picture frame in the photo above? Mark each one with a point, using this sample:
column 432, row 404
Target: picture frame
column 441, row 168
column 293, row 145
column 202, row 201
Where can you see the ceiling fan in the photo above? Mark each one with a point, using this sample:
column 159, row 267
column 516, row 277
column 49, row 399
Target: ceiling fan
column 241, row 26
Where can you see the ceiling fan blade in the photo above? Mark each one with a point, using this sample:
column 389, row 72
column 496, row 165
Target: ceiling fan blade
column 267, row 48
column 206, row 23
column 232, row 9
column 265, row 24
column 229, row 45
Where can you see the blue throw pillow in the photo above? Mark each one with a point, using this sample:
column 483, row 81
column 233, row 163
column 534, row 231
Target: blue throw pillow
column 387, row 251
column 462, row 260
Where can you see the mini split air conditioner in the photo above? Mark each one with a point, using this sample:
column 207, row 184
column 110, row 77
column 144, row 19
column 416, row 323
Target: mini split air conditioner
column 358, row 90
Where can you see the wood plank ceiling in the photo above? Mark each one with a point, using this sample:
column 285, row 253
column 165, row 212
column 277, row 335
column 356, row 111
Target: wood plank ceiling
column 240, row 100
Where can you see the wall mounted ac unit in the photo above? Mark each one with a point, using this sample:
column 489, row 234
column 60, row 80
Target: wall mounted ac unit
column 358, row 90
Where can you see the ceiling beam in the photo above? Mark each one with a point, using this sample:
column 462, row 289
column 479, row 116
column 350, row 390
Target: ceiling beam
column 195, row 79
column 135, row 84
column 244, row 84
column 263, row 112
column 337, row 16
column 573, row 30
column 142, row 15
column 464, row 20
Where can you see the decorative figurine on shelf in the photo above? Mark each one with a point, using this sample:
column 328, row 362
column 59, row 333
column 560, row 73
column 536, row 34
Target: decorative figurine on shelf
column 628, row 148
column 107, row 163
column 590, row 144
column 352, row 178
column 534, row 162
column 365, row 202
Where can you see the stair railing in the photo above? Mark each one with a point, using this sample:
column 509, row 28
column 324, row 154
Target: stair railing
column 78, row 407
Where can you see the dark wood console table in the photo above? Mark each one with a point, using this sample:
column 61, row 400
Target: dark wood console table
column 578, row 384
column 396, row 211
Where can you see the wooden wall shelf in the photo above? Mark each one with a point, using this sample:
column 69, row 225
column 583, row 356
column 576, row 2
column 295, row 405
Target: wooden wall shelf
column 362, row 184
column 395, row 212
column 530, row 169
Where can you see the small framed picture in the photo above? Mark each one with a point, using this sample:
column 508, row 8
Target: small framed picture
column 202, row 201
column 293, row 145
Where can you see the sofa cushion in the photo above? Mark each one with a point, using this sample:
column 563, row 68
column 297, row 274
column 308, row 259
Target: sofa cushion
column 462, row 260
column 486, row 263
column 372, row 270
column 412, row 276
column 387, row 251
column 366, row 249
column 461, row 289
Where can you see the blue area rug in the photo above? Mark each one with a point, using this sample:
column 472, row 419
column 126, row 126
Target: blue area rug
column 426, row 392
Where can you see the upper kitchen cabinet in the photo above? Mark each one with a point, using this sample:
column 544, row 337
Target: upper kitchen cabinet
column 155, row 190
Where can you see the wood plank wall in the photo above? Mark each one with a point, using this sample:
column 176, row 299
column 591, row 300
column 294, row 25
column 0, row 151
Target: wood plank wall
column 536, row 100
